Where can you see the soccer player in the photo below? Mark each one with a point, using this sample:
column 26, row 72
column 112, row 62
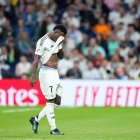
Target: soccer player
column 48, row 51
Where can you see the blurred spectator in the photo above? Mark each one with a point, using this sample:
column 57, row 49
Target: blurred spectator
column 2, row 22
column 137, row 51
column 30, row 18
column 116, row 61
column 74, row 73
column 21, row 27
column 4, row 58
column 108, row 68
column 82, row 63
column 68, row 44
column 24, row 76
column 10, row 11
column 134, row 36
column 23, row 44
column 124, row 50
column 8, row 30
column 21, row 7
column 86, row 14
column 50, row 23
column 65, row 64
column 102, row 28
column 12, row 54
column 114, row 15
column 42, row 13
column 23, row 67
column 83, row 46
column 113, row 44
column 86, row 29
column 120, row 31
column 89, row 73
column 134, row 72
column 95, row 48
column 75, row 34
column 120, row 74
column 4, row 66
column 111, row 4
column 70, row 17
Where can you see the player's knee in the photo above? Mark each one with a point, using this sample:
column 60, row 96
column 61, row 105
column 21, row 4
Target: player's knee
column 58, row 100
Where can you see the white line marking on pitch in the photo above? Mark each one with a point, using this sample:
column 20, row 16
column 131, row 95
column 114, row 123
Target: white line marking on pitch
column 18, row 110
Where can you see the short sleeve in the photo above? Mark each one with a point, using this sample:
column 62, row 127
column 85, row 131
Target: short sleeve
column 39, row 48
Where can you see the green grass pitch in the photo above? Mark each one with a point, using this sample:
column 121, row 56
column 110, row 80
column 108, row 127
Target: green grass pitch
column 84, row 123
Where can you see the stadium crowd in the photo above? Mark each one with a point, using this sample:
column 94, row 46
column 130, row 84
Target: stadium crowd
column 103, row 40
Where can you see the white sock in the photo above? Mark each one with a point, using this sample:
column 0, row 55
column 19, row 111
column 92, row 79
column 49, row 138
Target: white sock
column 41, row 115
column 56, row 106
column 50, row 115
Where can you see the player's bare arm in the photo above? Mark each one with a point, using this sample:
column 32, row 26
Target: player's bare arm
column 34, row 70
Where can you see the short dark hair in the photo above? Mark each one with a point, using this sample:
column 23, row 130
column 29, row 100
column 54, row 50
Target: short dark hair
column 61, row 27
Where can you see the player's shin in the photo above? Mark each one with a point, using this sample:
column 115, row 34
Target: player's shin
column 41, row 115
column 50, row 115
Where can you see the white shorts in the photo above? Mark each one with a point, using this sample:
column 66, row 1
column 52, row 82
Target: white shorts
column 50, row 82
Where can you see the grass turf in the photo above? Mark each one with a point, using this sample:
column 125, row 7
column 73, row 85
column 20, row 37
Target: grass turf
column 78, row 124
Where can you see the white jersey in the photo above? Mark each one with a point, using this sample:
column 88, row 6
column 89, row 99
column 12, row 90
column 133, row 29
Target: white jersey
column 45, row 47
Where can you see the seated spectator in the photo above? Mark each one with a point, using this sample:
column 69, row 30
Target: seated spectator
column 75, row 34
column 30, row 18
column 89, row 74
column 2, row 22
column 102, row 28
column 134, row 35
column 82, row 46
column 82, row 63
column 96, row 48
column 109, row 70
column 13, row 55
column 23, row 67
column 114, row 15
column 24, row 76
column 113, row 44
column 21, row 28
column 8, row 30
column 23, row 44
column 50, row 23
column 86, row 29
column 120, row 74
column 4, row 58
column 65, row 64
column 134, row 72
column 120, row 31
column 137, row 51
column 74, row 72
column 116, row 61
column 68, row 44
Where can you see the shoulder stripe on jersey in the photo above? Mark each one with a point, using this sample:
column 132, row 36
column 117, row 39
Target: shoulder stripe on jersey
column 43, row 39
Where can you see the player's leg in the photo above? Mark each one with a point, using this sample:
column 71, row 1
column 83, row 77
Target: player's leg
column 57, row 103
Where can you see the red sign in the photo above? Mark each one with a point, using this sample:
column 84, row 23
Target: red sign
column 20, row 93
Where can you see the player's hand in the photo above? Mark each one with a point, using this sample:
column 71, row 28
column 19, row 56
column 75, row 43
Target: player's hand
column 32, row 81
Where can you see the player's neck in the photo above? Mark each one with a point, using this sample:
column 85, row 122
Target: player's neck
column 51, row 37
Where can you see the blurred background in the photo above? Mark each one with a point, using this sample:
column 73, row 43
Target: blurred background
column 101, row 68
column 103, row 40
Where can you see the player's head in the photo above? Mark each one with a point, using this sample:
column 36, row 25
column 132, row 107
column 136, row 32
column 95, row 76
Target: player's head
column 60, row 30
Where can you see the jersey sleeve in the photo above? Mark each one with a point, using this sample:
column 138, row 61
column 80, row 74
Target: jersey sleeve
column 39, row 48
column 60, row 46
